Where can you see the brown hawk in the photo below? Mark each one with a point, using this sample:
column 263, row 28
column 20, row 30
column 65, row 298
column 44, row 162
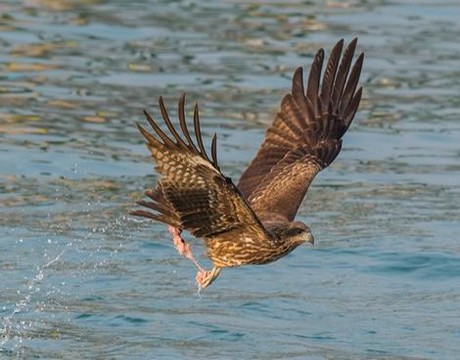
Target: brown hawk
column 253, row 222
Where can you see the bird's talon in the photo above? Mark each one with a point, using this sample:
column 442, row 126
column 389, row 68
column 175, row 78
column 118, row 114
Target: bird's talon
column 205, row 278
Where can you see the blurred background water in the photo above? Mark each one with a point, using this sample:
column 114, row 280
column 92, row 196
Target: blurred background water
column 79, row 278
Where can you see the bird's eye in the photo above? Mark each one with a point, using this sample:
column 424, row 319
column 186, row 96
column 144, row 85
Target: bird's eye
column 295, row 231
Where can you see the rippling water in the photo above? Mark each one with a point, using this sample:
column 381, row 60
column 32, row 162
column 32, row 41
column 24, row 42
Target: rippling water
column 81, row 279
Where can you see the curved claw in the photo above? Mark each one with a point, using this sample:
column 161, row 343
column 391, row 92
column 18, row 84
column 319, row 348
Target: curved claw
column 205, row 278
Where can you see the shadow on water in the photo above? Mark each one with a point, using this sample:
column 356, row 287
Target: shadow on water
column 81, row 279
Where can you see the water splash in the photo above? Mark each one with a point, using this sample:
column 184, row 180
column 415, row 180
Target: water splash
column 14, row 330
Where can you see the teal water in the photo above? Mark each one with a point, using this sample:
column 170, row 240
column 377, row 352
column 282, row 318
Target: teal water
column 80, row 279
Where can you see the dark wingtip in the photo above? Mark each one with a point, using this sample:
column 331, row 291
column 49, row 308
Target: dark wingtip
column 166, row 140
column 298, row 72
column 146, row 134
column 297, row 81
column 135, row 213
column 149, row 118
column 183, row 123
column 353, row 107
column 139, row 126
column 198, row 136
column 320, row 53
column 143, row 213
column 360, row 60
column 314, row 80
column 340, row 42
column 214, row 151
column 182, row 98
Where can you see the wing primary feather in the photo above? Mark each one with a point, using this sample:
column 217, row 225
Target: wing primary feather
column 342, row 73
column 311, row 108
column 166, row 140
column 298, row 92
column 314, row 80
column 155, row 206
column 150, row 138
column 164, row 114
column 329, row 75
column 154, row 194
column 147, row 214
column 352, row 108
column 351, row 85
column 183, row 123
column 214, row 151
column 158, row 217
column 297, row 84
column 197, row 128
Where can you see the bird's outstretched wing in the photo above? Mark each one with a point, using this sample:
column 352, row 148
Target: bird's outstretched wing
column 192, row 193
column 305, row 136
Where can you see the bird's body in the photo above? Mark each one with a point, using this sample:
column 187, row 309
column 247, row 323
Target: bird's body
column 248, row 247
column 253, row 222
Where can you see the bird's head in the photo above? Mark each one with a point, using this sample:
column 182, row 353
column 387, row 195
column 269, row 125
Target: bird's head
column 298, row 233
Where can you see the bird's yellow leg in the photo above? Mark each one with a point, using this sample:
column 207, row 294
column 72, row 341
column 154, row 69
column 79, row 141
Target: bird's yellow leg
column 205, row 278
column 182, row 246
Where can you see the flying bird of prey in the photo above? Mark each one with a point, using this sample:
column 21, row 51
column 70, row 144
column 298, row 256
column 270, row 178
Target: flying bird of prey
column 253, row 222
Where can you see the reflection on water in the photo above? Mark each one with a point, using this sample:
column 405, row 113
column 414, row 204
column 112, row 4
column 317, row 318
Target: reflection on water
column 81, row 279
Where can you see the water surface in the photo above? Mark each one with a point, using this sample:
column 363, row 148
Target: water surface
column 79, row 278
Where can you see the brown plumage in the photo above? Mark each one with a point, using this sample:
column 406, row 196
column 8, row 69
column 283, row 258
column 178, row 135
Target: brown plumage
column 253, row 222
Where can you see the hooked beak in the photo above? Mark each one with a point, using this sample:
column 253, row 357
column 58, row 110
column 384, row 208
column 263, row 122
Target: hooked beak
column 310, row 239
